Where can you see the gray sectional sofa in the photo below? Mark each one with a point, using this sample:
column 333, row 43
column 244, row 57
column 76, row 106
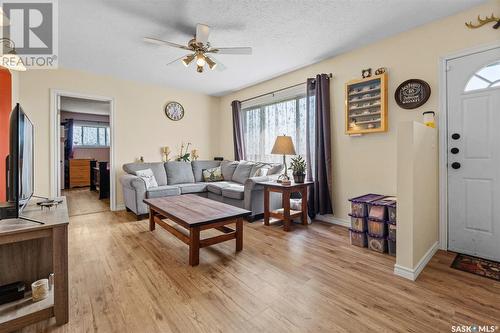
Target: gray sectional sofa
column 239, row 188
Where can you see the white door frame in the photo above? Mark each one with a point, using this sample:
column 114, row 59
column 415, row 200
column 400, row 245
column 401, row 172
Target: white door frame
column 55, row 151
column 443, row 136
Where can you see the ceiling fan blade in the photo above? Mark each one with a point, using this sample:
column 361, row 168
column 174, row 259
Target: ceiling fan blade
column 202, row 32
column 173, row 61
column 231, row 50
column 157, row 41
column 220, row 66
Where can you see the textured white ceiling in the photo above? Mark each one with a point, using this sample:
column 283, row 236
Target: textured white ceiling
column 105, row 36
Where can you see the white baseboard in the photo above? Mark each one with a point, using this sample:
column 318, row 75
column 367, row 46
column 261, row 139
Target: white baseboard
column 412, row 274
column 333, row 220
column 119, row 207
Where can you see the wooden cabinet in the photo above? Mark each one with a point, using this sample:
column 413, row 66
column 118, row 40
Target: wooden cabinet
column 366, row 105
column 79, row 173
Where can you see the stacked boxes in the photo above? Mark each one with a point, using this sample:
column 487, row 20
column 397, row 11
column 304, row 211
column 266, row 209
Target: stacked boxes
column 391, row 239
column 359, row 218
column 373, row 222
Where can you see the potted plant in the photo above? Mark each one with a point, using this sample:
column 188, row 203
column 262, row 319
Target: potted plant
column 184, row 155
column 298, row 166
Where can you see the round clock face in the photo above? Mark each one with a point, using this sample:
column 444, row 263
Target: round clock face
column 174, row 111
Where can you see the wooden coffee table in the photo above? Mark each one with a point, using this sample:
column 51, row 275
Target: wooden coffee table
column 194, row 214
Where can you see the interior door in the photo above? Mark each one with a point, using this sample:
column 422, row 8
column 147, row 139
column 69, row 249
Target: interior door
column 473, row 99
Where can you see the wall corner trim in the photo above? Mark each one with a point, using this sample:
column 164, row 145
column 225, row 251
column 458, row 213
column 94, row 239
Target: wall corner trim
column 412, row 274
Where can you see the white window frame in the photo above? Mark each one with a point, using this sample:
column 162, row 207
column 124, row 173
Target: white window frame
column 107, row 135
column 267, row 103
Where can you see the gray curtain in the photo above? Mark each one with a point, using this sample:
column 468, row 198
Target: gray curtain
column 239, row 147
column 319, row 148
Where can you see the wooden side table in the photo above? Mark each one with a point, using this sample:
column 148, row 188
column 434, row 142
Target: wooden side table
column 286, row 214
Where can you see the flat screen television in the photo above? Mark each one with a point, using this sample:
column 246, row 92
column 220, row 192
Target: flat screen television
column 20, row 162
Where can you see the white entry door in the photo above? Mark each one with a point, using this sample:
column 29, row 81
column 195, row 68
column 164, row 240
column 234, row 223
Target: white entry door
column 473, row 99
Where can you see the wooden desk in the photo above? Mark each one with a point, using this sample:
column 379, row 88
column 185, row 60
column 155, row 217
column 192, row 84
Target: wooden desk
column 194, row 214
column 285, row 214
column 29, row 252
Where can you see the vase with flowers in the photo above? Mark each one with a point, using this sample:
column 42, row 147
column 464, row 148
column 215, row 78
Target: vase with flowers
column 184, row 154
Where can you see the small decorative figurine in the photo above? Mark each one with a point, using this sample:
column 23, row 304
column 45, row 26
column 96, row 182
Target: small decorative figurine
column 366, row 73
column 165, row 152
column 380, row 70
column 194, row 154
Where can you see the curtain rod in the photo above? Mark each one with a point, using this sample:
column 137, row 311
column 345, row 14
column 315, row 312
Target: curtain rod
column 278, row 90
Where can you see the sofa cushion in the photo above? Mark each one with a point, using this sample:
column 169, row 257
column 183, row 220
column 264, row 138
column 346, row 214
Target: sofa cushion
column 227, row 168
column 255, row 171
column 216, row 188
column 163, row 191
column 179, row 172
column 199, row 166
column 192, row 188
column 275, row 169
column 157, row 168
column 234, row 192
column 242, row 172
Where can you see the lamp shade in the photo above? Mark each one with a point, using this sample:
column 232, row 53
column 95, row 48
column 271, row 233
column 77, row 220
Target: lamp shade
column 283, row 146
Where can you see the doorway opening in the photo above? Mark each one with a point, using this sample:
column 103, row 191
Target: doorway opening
column 83, row 148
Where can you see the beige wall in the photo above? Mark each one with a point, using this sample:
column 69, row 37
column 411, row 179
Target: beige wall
column 141, row 126
column 417, row 188
column 368, row 163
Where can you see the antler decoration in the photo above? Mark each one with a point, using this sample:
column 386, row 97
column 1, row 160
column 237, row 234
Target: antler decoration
column 484, row 21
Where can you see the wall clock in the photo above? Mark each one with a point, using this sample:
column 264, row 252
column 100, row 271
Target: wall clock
column 412, row 93
column 174, row 111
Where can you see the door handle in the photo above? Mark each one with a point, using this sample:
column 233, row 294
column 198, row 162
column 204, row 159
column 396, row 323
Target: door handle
column 454, row 150
column 455, row 136
column 455, row 165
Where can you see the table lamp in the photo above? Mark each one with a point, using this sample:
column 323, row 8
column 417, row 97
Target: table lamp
column 283, row 146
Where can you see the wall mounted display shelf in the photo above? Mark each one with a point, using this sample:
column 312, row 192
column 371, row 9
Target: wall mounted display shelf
column 366, row 105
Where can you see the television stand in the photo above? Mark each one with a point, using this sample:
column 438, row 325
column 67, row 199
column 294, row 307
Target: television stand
column 29, row 219
column 29, row 252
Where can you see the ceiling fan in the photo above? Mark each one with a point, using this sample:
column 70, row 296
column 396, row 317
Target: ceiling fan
column 200, row 49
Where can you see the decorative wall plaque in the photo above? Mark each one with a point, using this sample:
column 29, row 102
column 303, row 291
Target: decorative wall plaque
column 412, row 93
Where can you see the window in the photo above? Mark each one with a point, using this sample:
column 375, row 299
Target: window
column 263, row 123
column 90, row 135
column 486, row 77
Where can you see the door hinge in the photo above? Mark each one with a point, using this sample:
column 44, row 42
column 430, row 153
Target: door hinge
column 448, row 68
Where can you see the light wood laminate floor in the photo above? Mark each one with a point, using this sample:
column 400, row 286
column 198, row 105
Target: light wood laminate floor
column 124, row 278
column 83, row 201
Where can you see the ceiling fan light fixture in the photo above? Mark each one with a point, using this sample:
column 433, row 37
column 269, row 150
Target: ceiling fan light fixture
column 200, row 59
column 211, row 64
column 199, row 69
column 188, row 59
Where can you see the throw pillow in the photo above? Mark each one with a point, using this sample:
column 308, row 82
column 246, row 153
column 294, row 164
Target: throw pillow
column 148, row 177
column 213, row 174
column 262, row 172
